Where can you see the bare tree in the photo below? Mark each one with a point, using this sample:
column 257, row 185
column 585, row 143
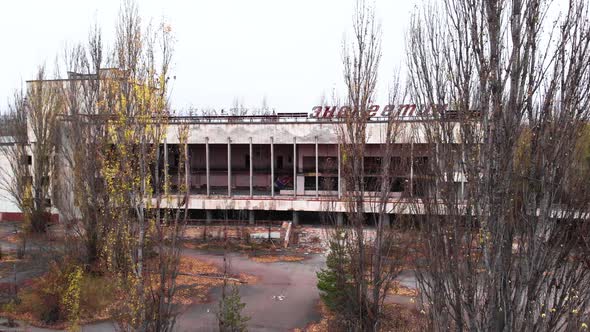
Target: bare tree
column 505, row 98
column 43, row 105
column 15, row 180
column 82, row 144
column 136, row 95
column 360, row 264
column 169, row 225
column 33, row 128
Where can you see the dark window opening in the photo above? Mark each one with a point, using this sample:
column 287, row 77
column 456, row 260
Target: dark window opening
column 329, row 183
column 310, row 183
column 325, row 183
column 398, row 184
column 280, row 162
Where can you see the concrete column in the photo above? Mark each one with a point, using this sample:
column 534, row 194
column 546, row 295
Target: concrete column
column 294, row 166
column 229, row 166
column 209, row 216
column 251, row 218
column 339, row 167
column 317, row 169
column 166, row 180
column 339, row 219
column 295, row 218
column 251, row 172
column 272, row 167
column 386, row 220
column 412, row 169
column 187, row 169
column 207, row 165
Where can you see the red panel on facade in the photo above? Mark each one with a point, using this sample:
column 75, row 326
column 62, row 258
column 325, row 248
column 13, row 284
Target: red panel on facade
column 18, row 216
column 11, row 216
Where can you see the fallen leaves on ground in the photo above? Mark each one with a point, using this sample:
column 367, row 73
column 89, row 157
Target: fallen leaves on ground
column 403, row 319
column 202, row 276
column 230, row 245
column 321, row 326
column 191, row 288
column 397, row 317
column 248, row 278
column 13, row 238
column 194, row 289
column 276, row 258
column 398, row 289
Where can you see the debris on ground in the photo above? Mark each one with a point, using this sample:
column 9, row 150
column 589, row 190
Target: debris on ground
column 311, row 240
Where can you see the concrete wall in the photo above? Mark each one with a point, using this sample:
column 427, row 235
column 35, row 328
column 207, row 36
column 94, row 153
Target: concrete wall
column 283, row 133
column 6, row 201
column 281, row 203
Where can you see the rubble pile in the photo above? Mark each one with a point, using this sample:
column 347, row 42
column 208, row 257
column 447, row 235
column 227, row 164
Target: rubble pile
column 311, row 240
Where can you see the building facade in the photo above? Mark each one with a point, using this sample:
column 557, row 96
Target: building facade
column 287, row 165
column 290, row 164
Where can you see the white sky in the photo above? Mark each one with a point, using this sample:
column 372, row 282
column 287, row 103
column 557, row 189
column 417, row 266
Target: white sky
column 286, row 51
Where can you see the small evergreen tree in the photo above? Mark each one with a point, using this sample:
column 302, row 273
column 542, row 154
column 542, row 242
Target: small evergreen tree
column 230, row 311
column 332, row 280
column 336, row 285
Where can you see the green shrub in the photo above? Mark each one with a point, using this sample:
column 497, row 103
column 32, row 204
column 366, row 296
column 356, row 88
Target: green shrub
column 333, row 281
column 230, row 316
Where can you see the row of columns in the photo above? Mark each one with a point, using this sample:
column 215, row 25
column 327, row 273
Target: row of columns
column 340, row 219
column 272, row 167
column 251, row 175
column 251, row 187
column 209, row 216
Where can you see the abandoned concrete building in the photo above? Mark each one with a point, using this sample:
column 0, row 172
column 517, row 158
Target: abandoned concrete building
column 287, row 166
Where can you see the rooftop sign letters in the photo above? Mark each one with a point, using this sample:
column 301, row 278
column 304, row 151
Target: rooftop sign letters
column 407, row 110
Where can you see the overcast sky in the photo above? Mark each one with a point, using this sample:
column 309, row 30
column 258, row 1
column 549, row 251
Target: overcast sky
column 286, row 51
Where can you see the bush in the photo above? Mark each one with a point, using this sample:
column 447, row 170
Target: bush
column 97, row 294
column 67, row 294
column 43, row 299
